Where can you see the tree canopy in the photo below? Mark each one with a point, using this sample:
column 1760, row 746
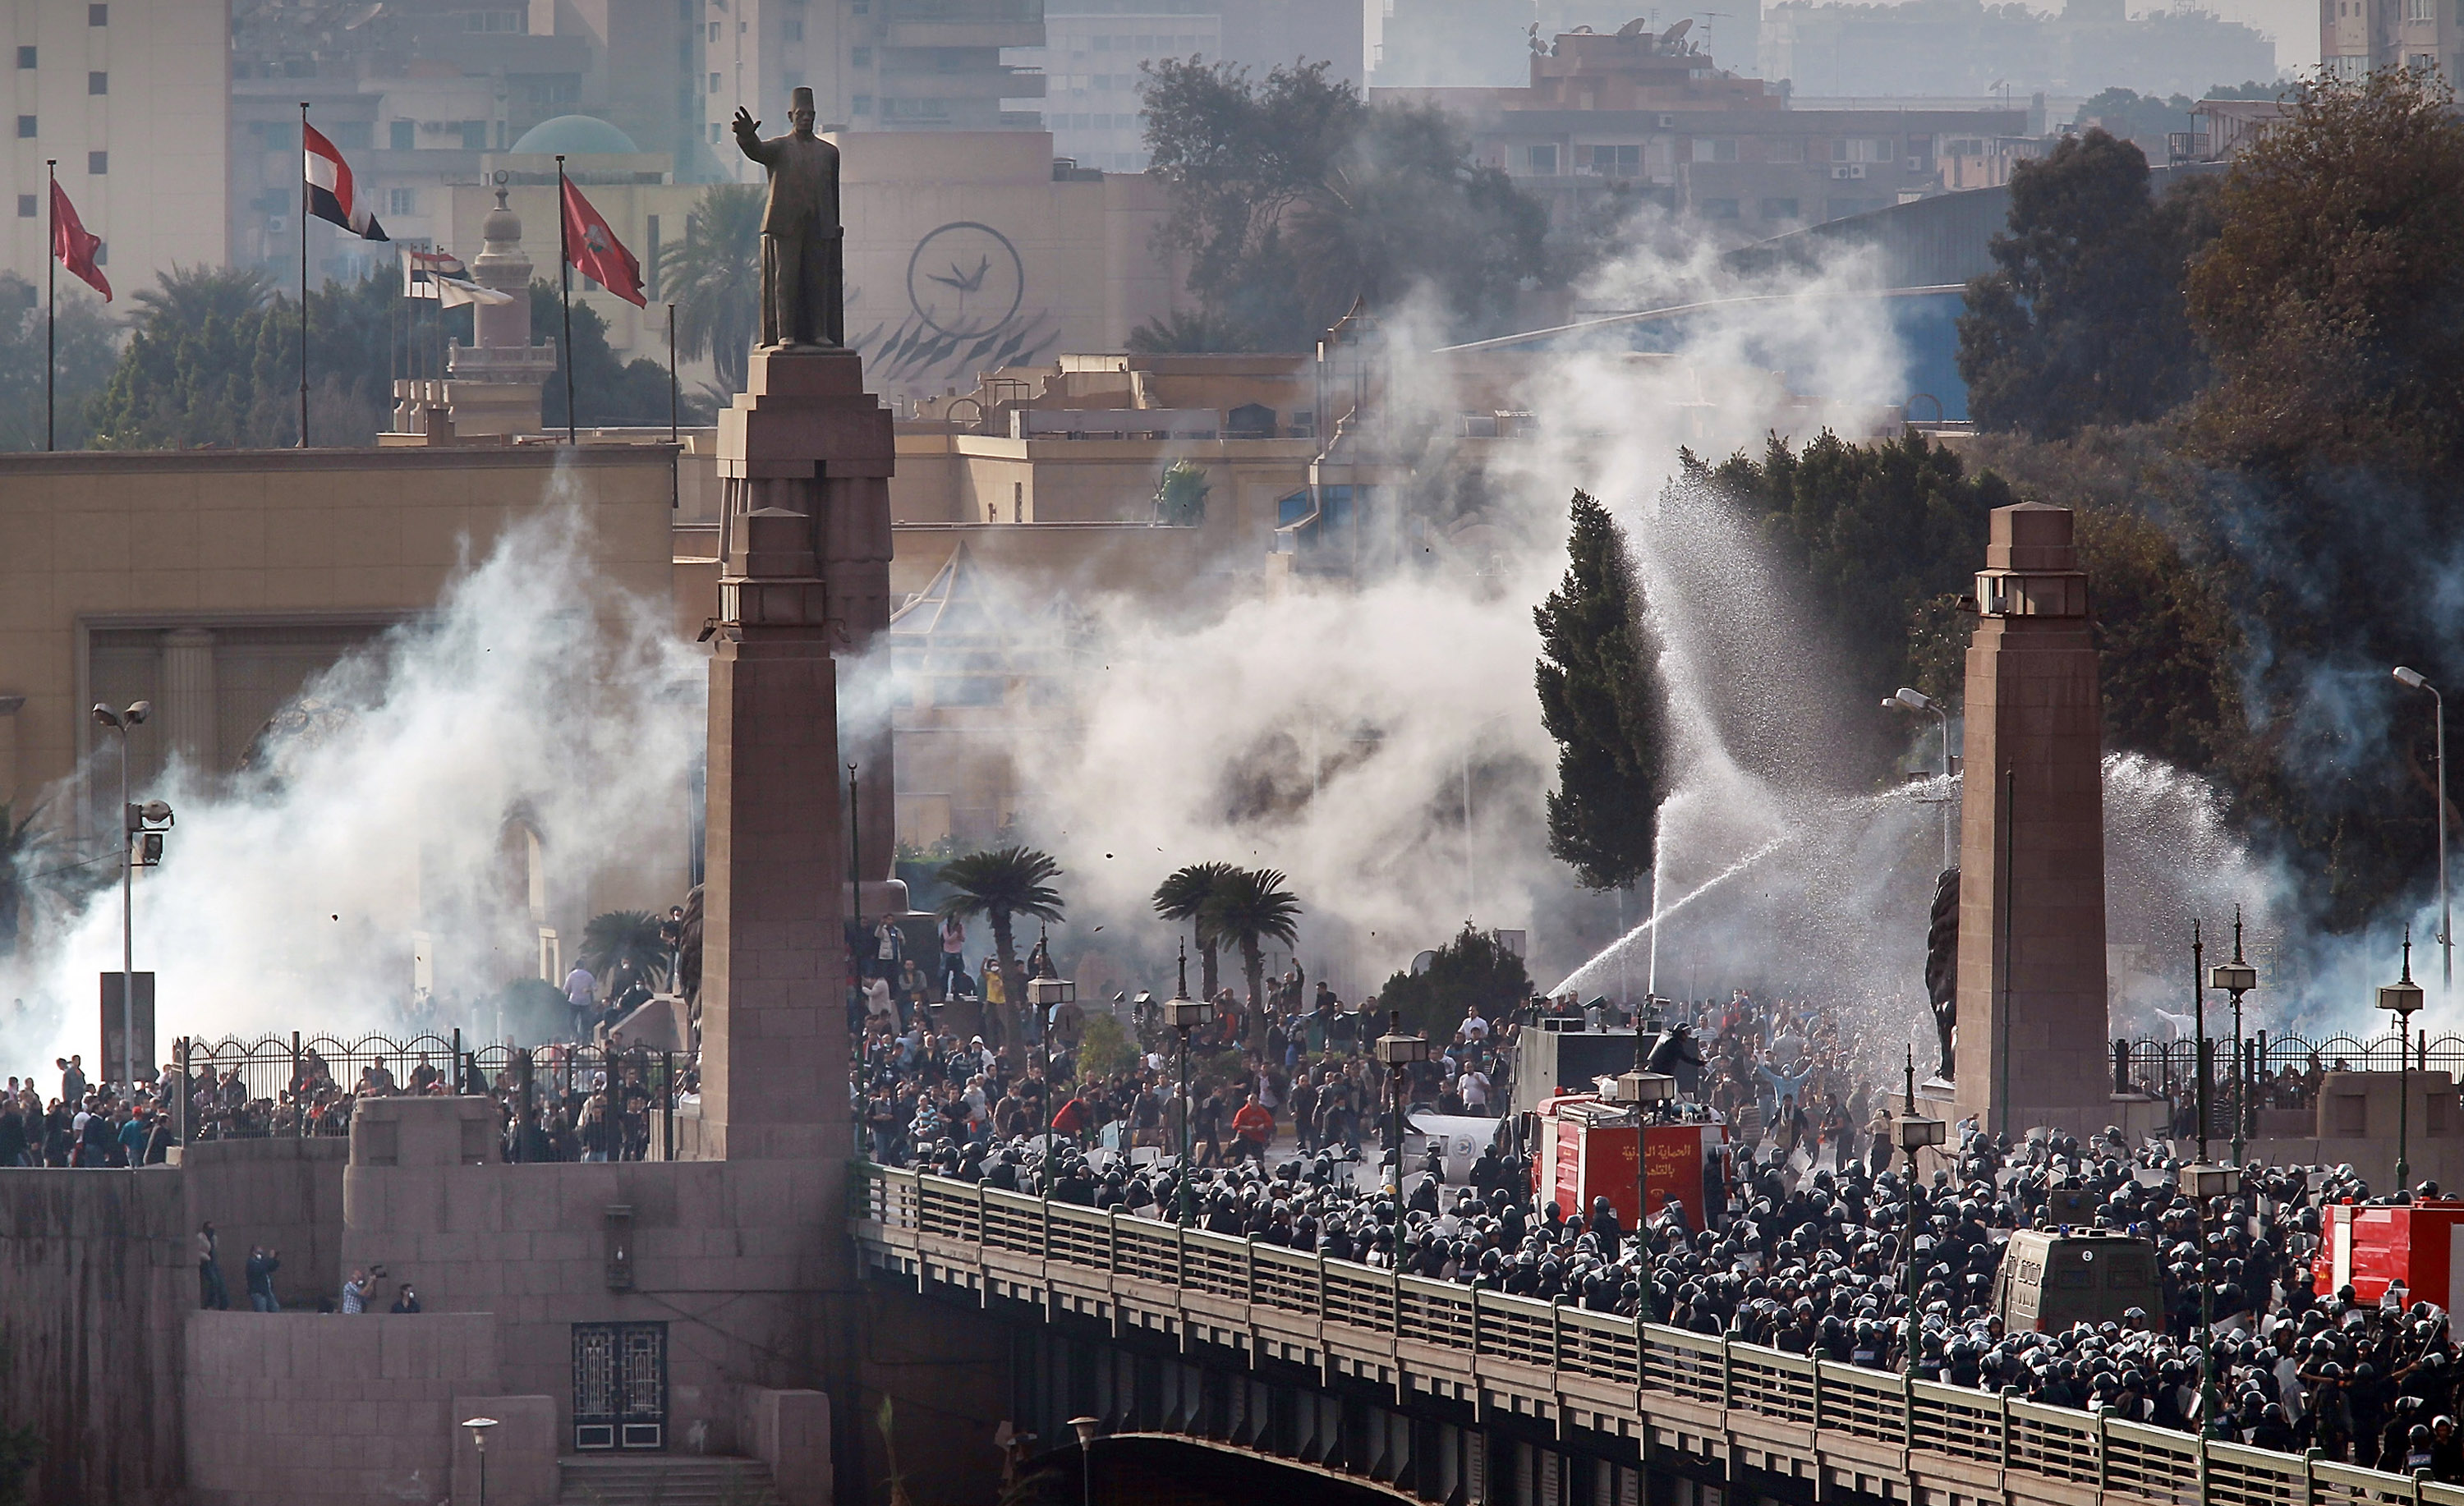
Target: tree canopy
column 1600, row 698
column 2080, row 321
column 88, row 350
column 1470, row 969
column 1292, row 198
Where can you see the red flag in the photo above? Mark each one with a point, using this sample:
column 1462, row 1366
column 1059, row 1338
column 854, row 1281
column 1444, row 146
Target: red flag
column 73, row 246
column 591, row 245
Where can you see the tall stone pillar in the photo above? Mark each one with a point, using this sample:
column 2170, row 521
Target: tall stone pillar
column 189, row 702
column 803, row 461
column 2033, row 1044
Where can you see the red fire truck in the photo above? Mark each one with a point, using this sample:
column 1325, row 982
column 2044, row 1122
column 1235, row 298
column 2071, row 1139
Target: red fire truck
column 1584, row 1149
column 2421, row 1245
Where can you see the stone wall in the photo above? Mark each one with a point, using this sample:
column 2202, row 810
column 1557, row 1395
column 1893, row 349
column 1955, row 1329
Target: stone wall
column 285, row 1194
column 302, row 1407
column 95, row 1268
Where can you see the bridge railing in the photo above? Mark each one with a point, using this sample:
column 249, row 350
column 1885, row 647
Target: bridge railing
column 1367, row 1311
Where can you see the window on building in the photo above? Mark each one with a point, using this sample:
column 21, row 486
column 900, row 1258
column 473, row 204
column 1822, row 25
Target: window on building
column 792, row 30
column 2422, row 62
column 1717, row 209
column 861, row 57
column 25, row 128
column 98, row 163
column 1920, row 148
column 474, row 135
column 2420, row 10
column 1715, row 148
column 714, row 84
column 1779, row 209
column 713, row 30
column 402, row 201
column 97, row 83
column 98, row 15
column 863, row 104
column 1541, row 162
column 1103, row 44
column 1612, row 162
column 103, row 254
column 713, row 131
column 26, row 205
column 402, row 134
column 25, row 57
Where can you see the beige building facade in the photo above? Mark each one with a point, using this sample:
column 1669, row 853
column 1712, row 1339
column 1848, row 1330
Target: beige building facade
column 130, row 97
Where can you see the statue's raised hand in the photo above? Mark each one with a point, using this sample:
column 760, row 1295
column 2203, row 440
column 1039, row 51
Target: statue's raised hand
column 744, row 120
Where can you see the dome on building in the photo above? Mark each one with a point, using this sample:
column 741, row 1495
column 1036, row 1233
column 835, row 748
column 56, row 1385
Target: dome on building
column 576, row 136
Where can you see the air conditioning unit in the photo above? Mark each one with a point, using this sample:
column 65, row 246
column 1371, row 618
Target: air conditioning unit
column 1839, row 174
column 1668, row 122
column 1856, row 171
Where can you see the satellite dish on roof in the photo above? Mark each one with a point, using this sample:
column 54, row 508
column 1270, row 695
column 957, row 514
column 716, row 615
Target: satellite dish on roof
column 1671, row 36
column 1423, row 962
column 1635, row 26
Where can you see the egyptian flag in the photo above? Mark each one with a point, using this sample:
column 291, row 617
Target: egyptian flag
column 331, row 194
column 73, row 246
column 423, row 269
column 592, row 246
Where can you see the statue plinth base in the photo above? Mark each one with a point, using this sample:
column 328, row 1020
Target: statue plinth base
column 804, row 457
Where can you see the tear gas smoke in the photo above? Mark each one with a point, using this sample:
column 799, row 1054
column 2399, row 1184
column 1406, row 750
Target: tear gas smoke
column 398, row 801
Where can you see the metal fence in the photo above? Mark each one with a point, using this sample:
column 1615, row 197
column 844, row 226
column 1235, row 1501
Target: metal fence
column 306, row 1086
column 2275, row 1066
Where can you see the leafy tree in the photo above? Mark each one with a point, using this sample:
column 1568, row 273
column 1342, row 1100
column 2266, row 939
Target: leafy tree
column 215, row 361
column 1182, row 896
column 2332, row 301
column 1001, row 885
column 1600, row 698
column 715, row 274
column 1878, row 532
column 1248, row 908
column 88, row 337
column 1105, row 1048
column 614, row 940
column 2081, row 320
column 1294, row 199
column 1470, row 969
column 2135, row 117
column 606, row 391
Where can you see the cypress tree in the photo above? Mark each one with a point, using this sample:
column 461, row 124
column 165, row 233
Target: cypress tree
column 1600, row 699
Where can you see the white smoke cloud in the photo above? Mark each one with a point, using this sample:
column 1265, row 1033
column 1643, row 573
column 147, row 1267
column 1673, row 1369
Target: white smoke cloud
column 287, row 899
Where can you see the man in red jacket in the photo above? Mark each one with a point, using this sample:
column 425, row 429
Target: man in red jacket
column 1253, row 1128
column 1074, row 1118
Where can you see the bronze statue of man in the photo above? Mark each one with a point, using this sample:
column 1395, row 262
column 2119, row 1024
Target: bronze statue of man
column 804, row 299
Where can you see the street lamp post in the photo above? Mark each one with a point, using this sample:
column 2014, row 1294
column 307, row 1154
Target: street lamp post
column 1907, row 699
column 2199, row 1059
column 2236, row 978
column 479, row 1427
column 121, row 721
column 1186, row 1014
column 2401, row 998
column 1916, row 1133
column 1644, row 1091
column 1084, row 1428
column 2417, row 681
column 1398, row 1052
column 2203, row 1181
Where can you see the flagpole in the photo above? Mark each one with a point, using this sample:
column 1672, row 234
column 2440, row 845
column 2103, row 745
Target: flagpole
column 51, row 304
column 676, row 454
column 303, row 274
column 565, row 281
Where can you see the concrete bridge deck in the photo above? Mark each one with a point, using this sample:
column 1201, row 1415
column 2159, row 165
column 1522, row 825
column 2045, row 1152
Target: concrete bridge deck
column 1650, row 1392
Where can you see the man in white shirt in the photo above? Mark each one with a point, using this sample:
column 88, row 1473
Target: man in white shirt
column 582, row 992
column 1473, row 1027
column 1475, row 1091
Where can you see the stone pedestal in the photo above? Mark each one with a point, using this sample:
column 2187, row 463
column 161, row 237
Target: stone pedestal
column 2031, row 1047
column 803, row 462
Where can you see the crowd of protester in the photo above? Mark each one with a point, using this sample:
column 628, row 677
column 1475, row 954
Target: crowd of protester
column 1811, row 1238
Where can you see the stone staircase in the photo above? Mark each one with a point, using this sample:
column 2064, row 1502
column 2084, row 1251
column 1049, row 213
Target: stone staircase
column 663, row 1479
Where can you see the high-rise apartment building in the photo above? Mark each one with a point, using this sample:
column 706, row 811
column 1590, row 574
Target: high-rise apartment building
column 2357, row 36
column 872, row 65
column 129, row 98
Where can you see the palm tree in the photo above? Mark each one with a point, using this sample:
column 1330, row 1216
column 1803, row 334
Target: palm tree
column 1248, row 907
column 714, row 276
column 190, row 294
column 1182, row 897
column 21, row 844
column 998, row 885
column 614, row 939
